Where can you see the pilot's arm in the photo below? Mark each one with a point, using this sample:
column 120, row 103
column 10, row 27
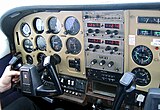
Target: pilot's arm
column 6, row 79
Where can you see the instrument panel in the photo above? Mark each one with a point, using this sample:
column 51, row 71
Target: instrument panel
column 96, row 48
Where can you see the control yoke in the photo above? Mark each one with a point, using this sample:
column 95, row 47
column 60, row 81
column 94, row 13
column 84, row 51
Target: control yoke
column 126, row 85
column 32, row 84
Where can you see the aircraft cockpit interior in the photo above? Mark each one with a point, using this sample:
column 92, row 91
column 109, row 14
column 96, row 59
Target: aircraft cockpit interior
column 86, row 57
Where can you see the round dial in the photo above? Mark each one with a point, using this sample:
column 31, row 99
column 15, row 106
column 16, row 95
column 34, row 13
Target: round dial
column 25, row 29
column 38, row 25
column 56, row 43
column 142, row 55
column 143, row 77
column 40, row 57
column 73, row 45
column 27, row 45
column 72, row 25
column 41, row 43
column 29, row 59
column 54, row 25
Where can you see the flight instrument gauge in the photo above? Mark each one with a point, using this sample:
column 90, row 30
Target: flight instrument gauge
column 56, row 43
column 29, row 59
column 40, row 57
column 38, row 25
column 73, row 45
column 27, row 45
column 143, row 77
column 41, row 43
column 142, row 55
column 72, row 25
column 54, row 25
column 25, row 29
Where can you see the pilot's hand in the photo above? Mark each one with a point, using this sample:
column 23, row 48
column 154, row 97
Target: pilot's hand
column 8, row 77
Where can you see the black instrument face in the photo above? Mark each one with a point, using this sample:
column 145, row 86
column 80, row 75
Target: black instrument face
column 142, row 55
column 40, row 57
column 143, row 77
column 38, row 25
column 73, row 45
column 25, row 29
column 29, row 59
column 41, row 43
column 56, row 43
column 27, row 45
column 54, row 25
column 72, row 25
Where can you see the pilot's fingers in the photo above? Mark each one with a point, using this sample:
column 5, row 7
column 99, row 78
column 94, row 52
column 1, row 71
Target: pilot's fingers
column 10, row 72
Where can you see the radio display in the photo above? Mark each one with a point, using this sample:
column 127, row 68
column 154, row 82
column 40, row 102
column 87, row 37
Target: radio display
column 115, row 26
column 94, row 41
column 97, row 25
column 111, row 42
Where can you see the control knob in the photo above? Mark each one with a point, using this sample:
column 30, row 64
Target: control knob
column 94, row 61
column 115, row 32
column 102, row 62
column 97, row 31
column 115, row 49
column 110, row 64
column 97, row 46
column 90, row 46
column 108, row 48
column 108, row 32
column 90, row 30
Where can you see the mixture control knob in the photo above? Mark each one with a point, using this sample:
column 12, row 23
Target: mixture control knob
column 90, row 30
column 97, row 31
column 110, row 64
column 108, row 32
column 90, row 46
column 115, row 49
column 115, row 32
column 108, row 48
column 97, row 46
column 102, row 62
column 94, row 61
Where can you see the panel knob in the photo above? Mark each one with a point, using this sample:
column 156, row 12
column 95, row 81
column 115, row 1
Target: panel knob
column 102, row 62
column 110, row 64
column 108, row 48
column 94, row 61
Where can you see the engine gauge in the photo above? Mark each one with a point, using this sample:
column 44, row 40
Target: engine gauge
column 56, row 43
column 142, row 55
column 143, row 77
column 27, row 45
column 72, row 25
column 73, row 45
column 54, row 25
column 40, row 57
column 38, row 25
column 25, row 29
column 29, row 59
column 41, row 43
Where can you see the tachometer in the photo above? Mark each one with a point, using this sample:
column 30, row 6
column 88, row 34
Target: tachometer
column 41, row 43
column 142, row 55
column 25, row 29
column 73, row 45
column 56, row 43
column 143, row 77
column 54, row 25
column 27, row 45
column 38, row 25
column 72, row 25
